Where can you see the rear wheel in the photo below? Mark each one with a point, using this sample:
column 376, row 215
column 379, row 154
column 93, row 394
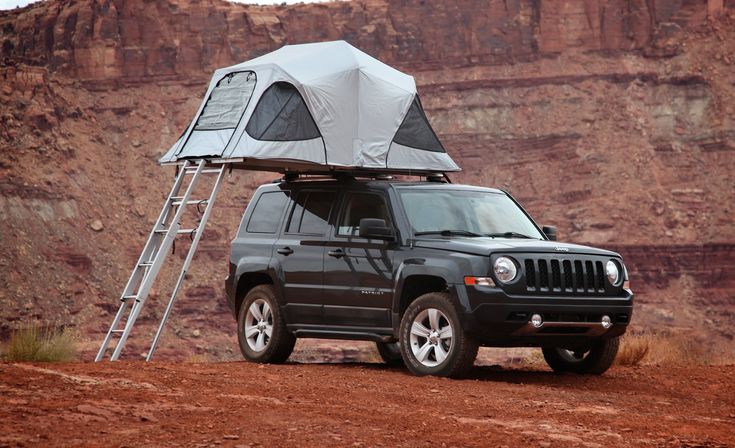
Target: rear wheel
column 261, row 331
column 390, row 352
column 432, row 339
column 594, row 361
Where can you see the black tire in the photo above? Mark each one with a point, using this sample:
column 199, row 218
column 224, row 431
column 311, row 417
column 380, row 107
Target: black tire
column 596, row 361
column 462, row 350
column 390, row 352
column 279, row 345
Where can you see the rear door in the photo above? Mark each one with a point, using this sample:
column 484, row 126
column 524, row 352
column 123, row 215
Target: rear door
column 300, row 251
column 358, row 272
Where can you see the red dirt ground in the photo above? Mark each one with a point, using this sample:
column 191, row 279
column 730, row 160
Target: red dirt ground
column 243, row 404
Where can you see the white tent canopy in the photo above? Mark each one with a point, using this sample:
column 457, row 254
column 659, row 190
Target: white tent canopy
column 314, row 106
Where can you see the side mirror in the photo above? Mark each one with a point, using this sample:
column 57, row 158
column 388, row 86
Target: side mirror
column 550, row 232
column 372, row 228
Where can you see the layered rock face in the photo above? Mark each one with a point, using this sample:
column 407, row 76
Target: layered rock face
column 614, row 120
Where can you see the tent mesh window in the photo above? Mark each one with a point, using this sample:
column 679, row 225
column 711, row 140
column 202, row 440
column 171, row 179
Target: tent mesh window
column 282, row 115
column 227, row 102
column 415, row 131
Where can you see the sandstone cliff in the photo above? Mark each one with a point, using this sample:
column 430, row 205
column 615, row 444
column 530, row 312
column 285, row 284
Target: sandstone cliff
column 613, row 119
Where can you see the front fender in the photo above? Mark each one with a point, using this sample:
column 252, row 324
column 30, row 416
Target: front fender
column 451, row 269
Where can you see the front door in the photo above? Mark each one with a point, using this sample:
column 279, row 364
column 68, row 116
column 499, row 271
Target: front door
column 358, row 273
column 300, row 251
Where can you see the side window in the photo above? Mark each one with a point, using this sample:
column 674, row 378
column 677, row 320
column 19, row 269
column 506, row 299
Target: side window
column 267, row 212
column 311, row 212
column 359, row 206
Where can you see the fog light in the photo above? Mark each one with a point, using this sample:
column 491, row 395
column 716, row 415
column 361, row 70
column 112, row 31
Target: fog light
column 606, row 322
column 537, row 321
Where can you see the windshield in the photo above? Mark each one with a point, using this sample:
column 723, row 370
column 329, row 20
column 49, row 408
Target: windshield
column 466, row 213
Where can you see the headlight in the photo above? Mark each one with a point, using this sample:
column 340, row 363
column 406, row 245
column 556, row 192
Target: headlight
column 505, row 269
column 612, row 272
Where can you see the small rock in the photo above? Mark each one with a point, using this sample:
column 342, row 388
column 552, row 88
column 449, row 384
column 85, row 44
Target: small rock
column 230, row 437
column 139, row 210
column 436, row 391
column 97, row 225
column 135, row 143
column 196, row 333
column 147, row 418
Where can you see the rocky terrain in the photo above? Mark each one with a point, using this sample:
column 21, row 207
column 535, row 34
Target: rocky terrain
column 614, row 120
column 360, row 405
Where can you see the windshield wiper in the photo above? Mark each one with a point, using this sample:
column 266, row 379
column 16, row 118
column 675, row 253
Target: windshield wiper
column 448, row 233
column 510, row 235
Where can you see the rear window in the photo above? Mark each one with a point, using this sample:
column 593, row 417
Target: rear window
column 311, row 212
column 267, row 212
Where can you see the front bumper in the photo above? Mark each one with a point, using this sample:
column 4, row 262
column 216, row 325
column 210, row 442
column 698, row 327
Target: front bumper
column 497, row 319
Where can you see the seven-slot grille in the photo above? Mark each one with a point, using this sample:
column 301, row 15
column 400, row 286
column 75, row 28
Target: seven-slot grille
column 564, row 276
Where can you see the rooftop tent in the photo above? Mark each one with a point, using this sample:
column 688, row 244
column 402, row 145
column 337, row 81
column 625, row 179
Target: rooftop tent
column 311, row 107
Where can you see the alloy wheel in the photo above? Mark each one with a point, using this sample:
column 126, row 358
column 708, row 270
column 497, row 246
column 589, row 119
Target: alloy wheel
column 431, row 337
column 258, row 325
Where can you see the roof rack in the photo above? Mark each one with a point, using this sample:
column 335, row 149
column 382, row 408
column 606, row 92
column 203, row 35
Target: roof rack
column 341, row 175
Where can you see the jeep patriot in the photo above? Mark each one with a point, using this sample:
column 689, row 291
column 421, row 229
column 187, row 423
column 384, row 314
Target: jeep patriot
column 427, row 270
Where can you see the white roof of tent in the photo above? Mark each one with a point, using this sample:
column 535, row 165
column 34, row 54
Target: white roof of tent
column 350, row 112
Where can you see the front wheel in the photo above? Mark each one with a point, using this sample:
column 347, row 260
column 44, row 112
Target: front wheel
column 261, row 331
column 596, row 360
column 432, row 339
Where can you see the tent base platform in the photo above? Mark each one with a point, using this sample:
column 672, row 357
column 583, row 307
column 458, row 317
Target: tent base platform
column 305, row 168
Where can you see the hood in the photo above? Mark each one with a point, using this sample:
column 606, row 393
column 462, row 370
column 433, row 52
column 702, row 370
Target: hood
column 487, row 246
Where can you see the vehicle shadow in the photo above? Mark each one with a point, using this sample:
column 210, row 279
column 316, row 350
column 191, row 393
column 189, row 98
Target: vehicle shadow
column 492, row 373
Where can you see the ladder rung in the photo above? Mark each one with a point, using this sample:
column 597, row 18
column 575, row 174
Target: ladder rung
column 129, row 297
column 145, row 263
column 118, row 331
column 204, row 171
column 184, row 231
column 202, row 201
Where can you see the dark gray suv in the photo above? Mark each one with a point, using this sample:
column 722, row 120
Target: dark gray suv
column 428, row 270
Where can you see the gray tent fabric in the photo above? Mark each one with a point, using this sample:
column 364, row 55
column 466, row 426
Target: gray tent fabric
column 326, row 105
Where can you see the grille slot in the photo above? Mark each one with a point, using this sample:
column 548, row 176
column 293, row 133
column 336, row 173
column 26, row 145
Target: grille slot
column 543, row 273
column 589, row 283
column 568, row 278
column 579, row 275
column 530, row 274
column 555, row 275
column 558, row 275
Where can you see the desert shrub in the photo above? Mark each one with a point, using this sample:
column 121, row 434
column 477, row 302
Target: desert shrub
column 40, row 343
column 633, row 349
column 679, row 349
column 675, row 349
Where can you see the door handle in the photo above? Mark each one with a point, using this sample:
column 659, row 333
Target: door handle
column 285, row 251
column 339, row 253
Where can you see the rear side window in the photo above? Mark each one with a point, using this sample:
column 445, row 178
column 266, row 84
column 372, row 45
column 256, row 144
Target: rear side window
column 267, row 212
column 311, row 212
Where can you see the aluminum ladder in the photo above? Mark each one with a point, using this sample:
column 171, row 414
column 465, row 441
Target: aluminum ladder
column 160, row 241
